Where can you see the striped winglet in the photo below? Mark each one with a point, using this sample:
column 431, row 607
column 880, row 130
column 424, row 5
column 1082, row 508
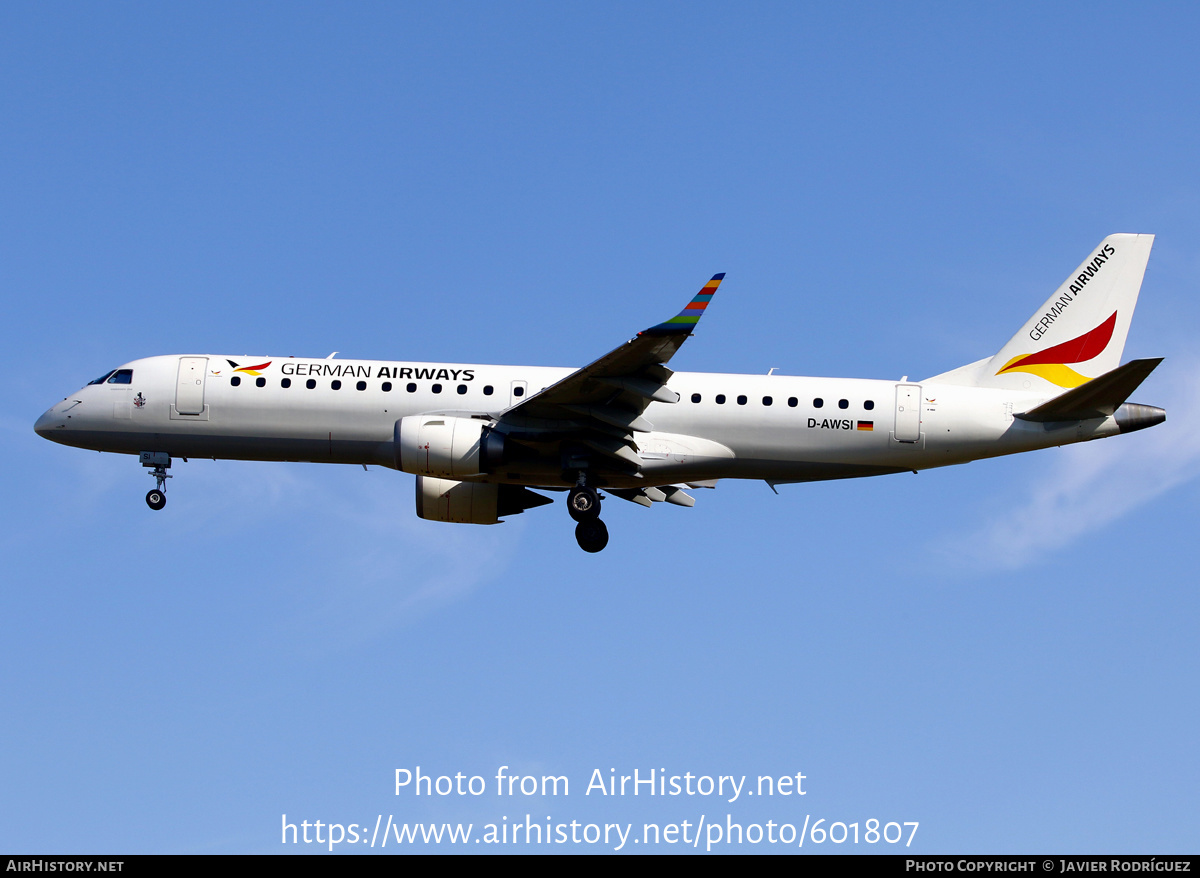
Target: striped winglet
column 690, row 316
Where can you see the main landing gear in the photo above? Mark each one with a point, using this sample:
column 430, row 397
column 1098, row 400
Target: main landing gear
column 592, row 535
column 583, row 504
column 160, row 461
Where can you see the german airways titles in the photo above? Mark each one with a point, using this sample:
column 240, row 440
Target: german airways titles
column 340, row 370
column 480, row 439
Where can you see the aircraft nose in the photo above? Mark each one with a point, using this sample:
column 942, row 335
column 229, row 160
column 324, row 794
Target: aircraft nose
column 50, row 421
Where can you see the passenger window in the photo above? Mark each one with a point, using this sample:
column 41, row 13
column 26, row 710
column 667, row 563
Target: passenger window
column 285, row 383
column 362, row 385
column 741, row 400
column 488, row 390
column 843, row 403
column 818, row 402
column 869, row 404
column 695, row 397
column 102, row 378
column 235, row 380
column 720, row 399
column 336, row 384
column 260, row 382
column 518, row 391
column 462, row 388
column 412, row 388
column 767, row 400
column 793, row 402
column 310, row 383
column 387, row 386
column 437, row 388
column 121, row 376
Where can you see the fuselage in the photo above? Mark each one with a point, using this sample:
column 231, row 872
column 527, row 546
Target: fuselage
column 478, row 437
column 773, row 427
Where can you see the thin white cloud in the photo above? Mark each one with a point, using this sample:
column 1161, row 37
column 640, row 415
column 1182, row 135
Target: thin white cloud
column 1094, row 483
column 390, row 568
column 371, row 566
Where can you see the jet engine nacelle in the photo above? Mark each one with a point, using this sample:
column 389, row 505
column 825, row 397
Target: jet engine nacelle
column 472, row 502
column 446, row 446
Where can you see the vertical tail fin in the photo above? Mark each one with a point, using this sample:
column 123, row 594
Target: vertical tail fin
column 1079, row 333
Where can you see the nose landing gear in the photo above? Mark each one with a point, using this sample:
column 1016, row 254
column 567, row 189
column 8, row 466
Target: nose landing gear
column 160, row 461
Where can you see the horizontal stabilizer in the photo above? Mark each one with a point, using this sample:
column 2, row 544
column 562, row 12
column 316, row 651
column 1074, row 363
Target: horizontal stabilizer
column 1099, row 398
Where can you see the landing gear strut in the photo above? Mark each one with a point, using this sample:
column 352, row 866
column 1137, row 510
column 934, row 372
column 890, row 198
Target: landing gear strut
column 160, row 461
column 583, row 504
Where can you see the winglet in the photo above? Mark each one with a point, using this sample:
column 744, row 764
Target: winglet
column 686, row 320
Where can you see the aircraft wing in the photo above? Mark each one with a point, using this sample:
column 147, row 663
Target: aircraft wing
column 601, row 405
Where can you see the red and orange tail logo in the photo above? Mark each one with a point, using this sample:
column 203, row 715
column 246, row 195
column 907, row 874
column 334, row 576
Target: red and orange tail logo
column 1051, row 363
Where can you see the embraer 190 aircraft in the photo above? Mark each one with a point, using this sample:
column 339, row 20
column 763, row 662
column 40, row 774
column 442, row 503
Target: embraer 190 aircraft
column 479, row 437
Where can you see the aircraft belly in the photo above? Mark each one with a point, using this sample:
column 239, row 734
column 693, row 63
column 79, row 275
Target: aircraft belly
column 842, row 441
column 231, row 429
column 330, row 449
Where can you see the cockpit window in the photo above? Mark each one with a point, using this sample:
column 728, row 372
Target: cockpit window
column 121, row 376
column 102, row 378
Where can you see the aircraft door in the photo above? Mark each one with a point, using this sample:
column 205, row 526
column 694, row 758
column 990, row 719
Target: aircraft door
column 189, row 389
column 908, row 413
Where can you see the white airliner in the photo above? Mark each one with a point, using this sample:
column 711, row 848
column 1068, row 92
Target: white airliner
column 479, row 437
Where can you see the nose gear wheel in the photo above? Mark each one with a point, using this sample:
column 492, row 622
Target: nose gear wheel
column 157, row 462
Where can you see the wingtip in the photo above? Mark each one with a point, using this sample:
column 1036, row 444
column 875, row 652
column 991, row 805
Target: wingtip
column 686, row 320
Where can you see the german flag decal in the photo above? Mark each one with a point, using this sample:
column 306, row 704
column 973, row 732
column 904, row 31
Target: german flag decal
column 868, row 426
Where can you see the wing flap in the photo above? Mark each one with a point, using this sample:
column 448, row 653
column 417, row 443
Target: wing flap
column 613, row 416
column 649, row 496
column 647, row 389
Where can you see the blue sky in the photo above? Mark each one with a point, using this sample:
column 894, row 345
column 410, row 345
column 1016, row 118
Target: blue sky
column 1003, row 652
